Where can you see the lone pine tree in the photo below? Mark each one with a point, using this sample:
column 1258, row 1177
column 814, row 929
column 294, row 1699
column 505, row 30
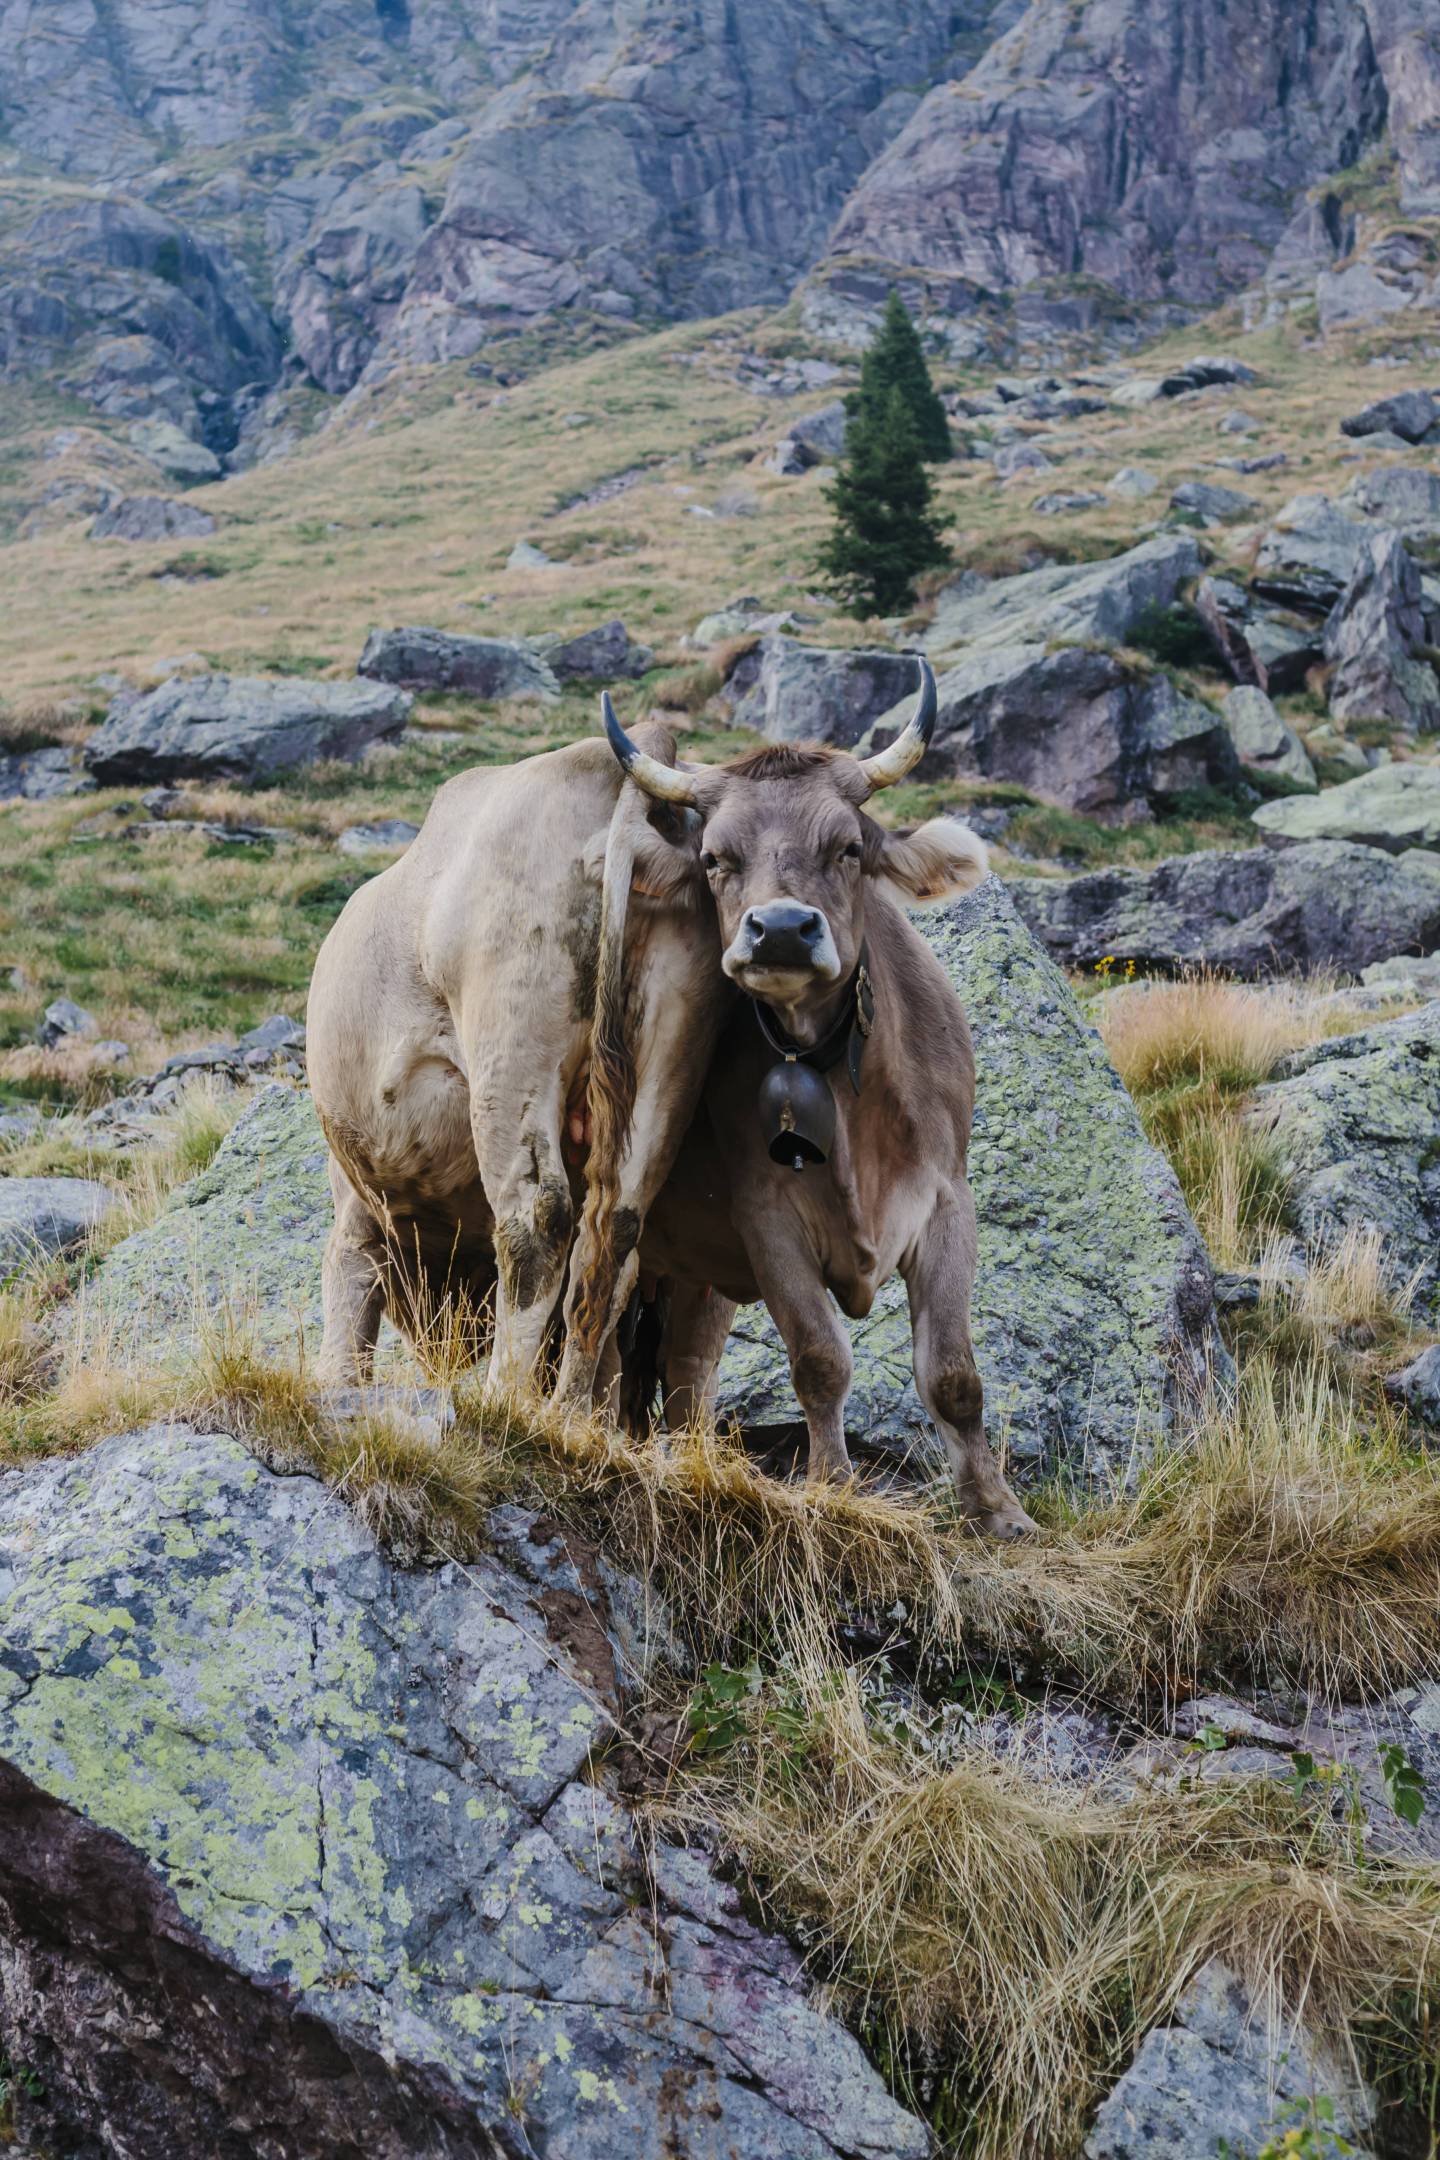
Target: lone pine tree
column 887, row 529
column 896, row 361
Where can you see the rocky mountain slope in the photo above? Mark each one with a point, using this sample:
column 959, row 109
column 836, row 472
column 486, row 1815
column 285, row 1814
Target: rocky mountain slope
column 205, row 208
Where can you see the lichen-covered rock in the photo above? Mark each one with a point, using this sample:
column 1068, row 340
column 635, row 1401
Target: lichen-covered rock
column 1374, row 640
column 1418, row 1386
column 1093, row 1292
column 1357, row 1128
column 601, row 655
column 233, row 727
column 1217, row 2079
column 1258, row 913
column 152, row 517
column 239, row 1246
column 1395, row 807
column 820, row 693
column 346, row 1823
column 1265, row 742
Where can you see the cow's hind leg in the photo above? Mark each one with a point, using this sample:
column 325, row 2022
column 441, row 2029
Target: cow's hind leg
column 938, row 1276
column 353, row 1281
column 534, row 1219
column 696, row 1328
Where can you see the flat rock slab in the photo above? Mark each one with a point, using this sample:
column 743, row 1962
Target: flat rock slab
column 1357, row 1124
column 1258, row 912
column 43, row 1216
column 232, row 727
column 1093, row 1291
column 340, row 1819
column 1394, row 807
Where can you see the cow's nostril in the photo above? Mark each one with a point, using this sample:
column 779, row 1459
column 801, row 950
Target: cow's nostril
column 810, row 927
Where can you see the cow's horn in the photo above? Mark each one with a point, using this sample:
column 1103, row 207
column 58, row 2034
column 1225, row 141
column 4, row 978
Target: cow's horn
column 910, row 745
column 647, row 772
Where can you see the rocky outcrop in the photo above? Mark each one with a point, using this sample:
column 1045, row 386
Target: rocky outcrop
column 1092, row 1295
column 233, row 727
column 1324, row 904
column 606, row 654
column 1074, row 602
column 1409, row 413
column 1374, row 640
column 41, row 775
column 1406, row 498
column 1395, row 807
column 1354, row 1125
column 43, row 1216
column 1114, row 145
column 1267, row 648
column 1418, row 1386
column 424, row 659
column 1309, row 555
column 818, row 693
column 350, row 1825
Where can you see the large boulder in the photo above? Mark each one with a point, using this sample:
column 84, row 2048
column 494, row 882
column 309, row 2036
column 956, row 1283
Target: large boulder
column 1394, row 807
column 1409, row 413
column 1355, row 1123
column 479, row 667
column 1267, row 648
column 1404, row 497
column 152, row 517
column 1092, row 1307
column 1308, row 556
column 1259, row 913
column 603, row 655
column 345, row 1827
column 1373, row 640
column 820, row 693
column 1073, row 601
column 41, row 775
column 1265, row 742
column 43, row 1216
column 1074, row 724
column 234, row 727
column 1207, row 504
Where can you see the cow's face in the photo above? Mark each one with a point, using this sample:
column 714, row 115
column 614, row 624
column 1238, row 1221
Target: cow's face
column 788, row 852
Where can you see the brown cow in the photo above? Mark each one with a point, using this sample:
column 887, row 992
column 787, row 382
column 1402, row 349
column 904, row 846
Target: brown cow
column 851, row 1027
column 450, row 1042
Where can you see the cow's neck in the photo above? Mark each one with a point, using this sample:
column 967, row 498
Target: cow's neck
column 806, row 1025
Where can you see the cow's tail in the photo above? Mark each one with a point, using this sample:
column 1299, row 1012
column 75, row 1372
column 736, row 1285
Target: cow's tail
column 612, row 1082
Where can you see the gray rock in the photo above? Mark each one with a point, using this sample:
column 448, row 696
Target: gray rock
column 526, row 556
column 42, row 775
column 1355, row 1127
column 1407, row 975
column 423, row 659
column 1076, row 602
column 175, row 452
column 607, row 654
column 1060, row 505
column 814, row 439
column 1267, row 648
column 1418, row 1386
column 385, row 833
column 63, row 1021
column 1218, row 2079
column 1073, row 724
column 1014, row 459
column 152, row 517
column 234, row 727
column 821, row 693
column 1093, row 1292
column 1257, row 914
column 43, row 1216
column 1404, row 497
column 1211, row 505
column 1373, row 639
column 336, row 1816
column 1409, row 414
column 1394, row 807
column 1308, row 556
column 1130, row 484
column 1265, row 742
column 1238, row 423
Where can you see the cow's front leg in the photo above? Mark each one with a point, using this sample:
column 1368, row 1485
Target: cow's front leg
column 938, row 1273
column 818, row 1346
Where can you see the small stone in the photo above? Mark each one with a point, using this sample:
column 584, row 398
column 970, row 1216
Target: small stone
column 65, row 1020
column 526, row 556
column 1211, row 505
column 1418, row 1387
column 384, row 836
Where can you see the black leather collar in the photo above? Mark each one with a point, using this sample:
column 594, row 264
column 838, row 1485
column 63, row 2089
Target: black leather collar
column 847, row 1038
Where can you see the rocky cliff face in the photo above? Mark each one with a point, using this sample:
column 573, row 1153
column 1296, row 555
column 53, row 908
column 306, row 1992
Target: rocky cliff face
column 203, row 200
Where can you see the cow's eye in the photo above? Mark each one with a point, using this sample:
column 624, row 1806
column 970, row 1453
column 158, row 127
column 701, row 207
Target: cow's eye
column 853, row 852
column 709, row 861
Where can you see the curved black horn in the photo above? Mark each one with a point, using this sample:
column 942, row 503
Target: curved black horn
column 662, row 781
column 910, row 745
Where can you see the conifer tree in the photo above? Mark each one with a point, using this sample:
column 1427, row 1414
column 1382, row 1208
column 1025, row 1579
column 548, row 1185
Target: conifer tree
column 896, row 360
column 887, row 529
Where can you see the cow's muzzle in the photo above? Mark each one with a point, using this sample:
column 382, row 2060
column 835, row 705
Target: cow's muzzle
column 784, row 938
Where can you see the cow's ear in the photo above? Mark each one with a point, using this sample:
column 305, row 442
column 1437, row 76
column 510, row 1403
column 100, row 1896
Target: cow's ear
column 935, row 862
